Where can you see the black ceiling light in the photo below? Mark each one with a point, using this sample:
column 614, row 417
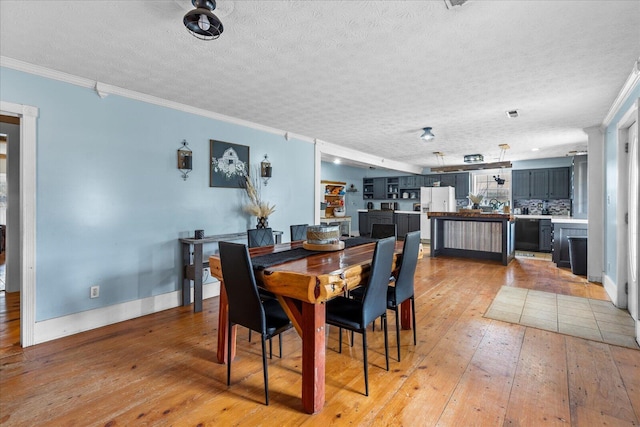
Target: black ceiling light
column 201, row 22
column 474, row 158
column 427, row 135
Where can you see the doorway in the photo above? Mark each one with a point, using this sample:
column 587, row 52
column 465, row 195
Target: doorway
column 633, row 219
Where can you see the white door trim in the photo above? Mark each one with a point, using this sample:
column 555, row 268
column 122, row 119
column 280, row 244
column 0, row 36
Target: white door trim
column 28, row 116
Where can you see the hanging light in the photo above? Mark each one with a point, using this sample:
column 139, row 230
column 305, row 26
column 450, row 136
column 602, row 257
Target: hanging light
column 201, row 22
column 427, row 135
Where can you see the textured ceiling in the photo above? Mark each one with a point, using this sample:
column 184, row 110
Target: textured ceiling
column 367, row 75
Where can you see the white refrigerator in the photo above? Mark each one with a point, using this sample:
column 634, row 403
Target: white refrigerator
column 435, row 199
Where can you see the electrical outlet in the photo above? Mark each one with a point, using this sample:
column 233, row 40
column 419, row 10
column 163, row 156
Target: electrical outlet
column 95, row 292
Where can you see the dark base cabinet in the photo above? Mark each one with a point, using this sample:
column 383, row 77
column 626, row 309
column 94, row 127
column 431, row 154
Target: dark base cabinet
column 561, row 233
column 406, row 223
column 544, row 245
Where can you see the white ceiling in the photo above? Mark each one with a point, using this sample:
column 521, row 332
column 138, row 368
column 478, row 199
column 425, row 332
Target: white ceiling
column 367, row 75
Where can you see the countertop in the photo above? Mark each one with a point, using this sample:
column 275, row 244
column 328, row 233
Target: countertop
column 380, row 210
column 470, row 215
column 555, row 218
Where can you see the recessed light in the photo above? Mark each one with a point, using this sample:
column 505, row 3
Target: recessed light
column 535, row 149
column 336, row 161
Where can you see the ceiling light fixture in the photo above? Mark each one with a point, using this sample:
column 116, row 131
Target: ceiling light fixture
column 512, row 114
column 474, row 158
column 201, row 22
column 427, row 135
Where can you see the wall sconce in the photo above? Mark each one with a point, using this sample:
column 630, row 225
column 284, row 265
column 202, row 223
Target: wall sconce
column 265, row 169
column 185, row 159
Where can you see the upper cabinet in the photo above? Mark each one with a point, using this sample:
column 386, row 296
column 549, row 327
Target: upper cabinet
column 553, row 183
column 409, row 186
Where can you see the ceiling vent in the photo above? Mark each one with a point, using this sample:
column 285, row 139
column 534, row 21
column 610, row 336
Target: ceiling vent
column 512, row 114
column 452, row 3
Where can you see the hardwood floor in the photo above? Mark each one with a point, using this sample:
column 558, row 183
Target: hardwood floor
column 465, row 370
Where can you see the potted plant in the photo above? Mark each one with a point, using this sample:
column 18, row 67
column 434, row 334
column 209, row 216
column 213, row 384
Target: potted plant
column 256, row 206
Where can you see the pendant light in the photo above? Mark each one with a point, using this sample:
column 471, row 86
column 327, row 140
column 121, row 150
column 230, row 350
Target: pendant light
column 201, row 22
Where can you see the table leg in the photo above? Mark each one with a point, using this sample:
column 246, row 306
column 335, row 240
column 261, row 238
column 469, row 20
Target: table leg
column 186, row 282
column 223, row 328
column 405, row 314
column 313, row 357
column 197, row 279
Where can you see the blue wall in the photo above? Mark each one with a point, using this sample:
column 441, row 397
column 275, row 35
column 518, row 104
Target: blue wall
column 111, row 203
column 611, row 187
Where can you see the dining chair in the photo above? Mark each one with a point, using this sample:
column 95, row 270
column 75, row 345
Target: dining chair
column 298, row 232
column 380, row 231
column 355, row 315
column 257, row 237
column 246, row 308
column 403, row 288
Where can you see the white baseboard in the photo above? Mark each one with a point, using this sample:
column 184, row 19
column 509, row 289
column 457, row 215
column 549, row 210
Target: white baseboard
column 611, row 289
column 86, row 320
column 594, row 279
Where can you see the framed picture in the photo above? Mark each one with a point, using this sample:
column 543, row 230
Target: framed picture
column 229, row 164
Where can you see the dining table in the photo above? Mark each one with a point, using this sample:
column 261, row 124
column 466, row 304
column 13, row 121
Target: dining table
column 303, row 281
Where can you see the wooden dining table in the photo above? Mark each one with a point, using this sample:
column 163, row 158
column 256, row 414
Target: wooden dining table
column 302, row 287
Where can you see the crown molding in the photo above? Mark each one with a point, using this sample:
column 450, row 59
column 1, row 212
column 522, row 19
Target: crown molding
column 629, row 85
column 103, row 90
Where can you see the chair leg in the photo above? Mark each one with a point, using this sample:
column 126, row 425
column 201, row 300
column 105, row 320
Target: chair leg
column 249, row 335
column 413, row 314
column 266, row 373
column 364, row 357
column 386, row 339
column 270, row 349
column 352, row 339
column 397, row 330
column 280, row 344
column 229, row 355
column 339, row 340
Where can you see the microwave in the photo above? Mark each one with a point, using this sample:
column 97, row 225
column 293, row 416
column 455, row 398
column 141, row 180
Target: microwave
column 390, row 206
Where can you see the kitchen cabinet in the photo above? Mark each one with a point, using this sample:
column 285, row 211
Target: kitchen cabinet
column 393, row 188
column 462, row 185
column 406, row 222
column 374, row 188
column 559, row 183
column 411, row 182
column 363, row 223
column 448, row 180
column 520, row 183
column 542, row 184
column 545, row 235
column 430, row 179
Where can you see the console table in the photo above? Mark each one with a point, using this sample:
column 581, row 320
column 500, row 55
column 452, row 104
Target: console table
column 192, row 268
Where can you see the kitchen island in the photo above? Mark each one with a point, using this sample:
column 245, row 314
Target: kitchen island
column 473, row 235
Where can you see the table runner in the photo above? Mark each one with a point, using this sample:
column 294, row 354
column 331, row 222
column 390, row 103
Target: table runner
column 264, row 261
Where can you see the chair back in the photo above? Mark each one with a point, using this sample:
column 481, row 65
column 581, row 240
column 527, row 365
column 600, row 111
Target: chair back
column 404, row 282
column 245, row 307
column 260, row 237
column 381, row 231
column 298, row 232
column 374, row 301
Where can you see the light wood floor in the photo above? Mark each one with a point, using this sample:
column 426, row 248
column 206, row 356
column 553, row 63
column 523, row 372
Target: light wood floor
column 466, row 370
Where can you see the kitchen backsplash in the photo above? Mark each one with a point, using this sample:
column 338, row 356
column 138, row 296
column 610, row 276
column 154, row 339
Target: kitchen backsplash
column 556, row 207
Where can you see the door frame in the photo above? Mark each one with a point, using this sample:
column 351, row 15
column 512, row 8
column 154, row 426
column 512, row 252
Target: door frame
column 27, row 206
column 630, row 116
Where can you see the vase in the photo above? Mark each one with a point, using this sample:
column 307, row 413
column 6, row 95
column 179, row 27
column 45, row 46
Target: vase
column 475, row 206
column 263, row 222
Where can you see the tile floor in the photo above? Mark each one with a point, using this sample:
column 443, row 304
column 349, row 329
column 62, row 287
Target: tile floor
column 581, row 317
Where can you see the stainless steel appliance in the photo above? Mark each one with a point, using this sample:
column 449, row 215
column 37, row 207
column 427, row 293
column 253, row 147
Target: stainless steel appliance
column 389, row 206
column 435, row 199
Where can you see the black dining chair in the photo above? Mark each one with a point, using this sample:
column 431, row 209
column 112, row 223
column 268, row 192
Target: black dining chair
column 257, row 237
column 246, row 308
column 355, row 315
column 381, row 231
column 298, row 232
column 404, row 284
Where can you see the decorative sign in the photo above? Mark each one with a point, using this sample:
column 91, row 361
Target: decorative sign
column 229, row 164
